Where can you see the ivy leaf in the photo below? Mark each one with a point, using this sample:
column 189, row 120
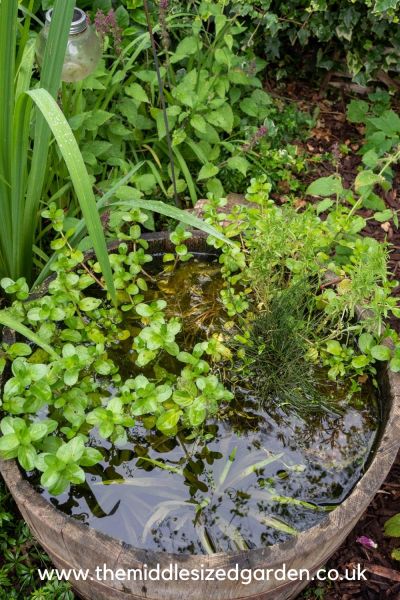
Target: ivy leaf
column 325, row 186
column 384, row 5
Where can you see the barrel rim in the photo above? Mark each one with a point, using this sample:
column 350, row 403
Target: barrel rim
column 326, row 531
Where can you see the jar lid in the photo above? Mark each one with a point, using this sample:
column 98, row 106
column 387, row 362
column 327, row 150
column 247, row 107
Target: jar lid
column 79, row 21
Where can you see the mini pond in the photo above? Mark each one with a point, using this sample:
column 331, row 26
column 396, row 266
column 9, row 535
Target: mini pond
column 252, row 477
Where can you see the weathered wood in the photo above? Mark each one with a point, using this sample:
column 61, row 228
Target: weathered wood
column 71, row 544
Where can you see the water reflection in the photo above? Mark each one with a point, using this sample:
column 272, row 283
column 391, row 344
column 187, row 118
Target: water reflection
column 253, row 478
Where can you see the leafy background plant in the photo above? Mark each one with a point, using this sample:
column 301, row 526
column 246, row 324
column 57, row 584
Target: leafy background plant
column 116, row 120
column 203, row 68
column 21, row 557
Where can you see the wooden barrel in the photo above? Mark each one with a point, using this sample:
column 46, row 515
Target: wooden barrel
column 73, row 545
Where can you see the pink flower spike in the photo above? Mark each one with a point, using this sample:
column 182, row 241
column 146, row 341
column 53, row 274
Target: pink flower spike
column 366, row 542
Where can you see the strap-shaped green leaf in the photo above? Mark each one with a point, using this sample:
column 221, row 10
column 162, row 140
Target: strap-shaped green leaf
column 9, row 321
column 79, row 177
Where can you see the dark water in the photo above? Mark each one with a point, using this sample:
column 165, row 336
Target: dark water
column 253, row 478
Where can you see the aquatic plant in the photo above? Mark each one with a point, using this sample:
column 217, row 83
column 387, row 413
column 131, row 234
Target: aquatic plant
column 73, row 333
column 283, row 254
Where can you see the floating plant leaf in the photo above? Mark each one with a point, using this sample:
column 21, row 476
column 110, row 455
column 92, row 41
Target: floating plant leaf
column 8, row 320
column 278, row 524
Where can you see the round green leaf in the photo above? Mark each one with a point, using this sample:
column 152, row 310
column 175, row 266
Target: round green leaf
column 381, row 352
column 27, row 457
column 167, row 422
column 88, row 304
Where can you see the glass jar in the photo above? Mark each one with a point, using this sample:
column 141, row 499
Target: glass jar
column 83, row 48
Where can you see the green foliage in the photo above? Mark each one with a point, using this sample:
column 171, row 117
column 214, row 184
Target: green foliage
column 392, row 529
column 277, row 351
column 392, row 526
column 22, row 171
column 396, row 554
column 21, row 557
column 365, row 33
column 68, row 371
column 22, row 174
column 340, row 322
column 224, row 126
column 380, row 150
column 62, row 465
